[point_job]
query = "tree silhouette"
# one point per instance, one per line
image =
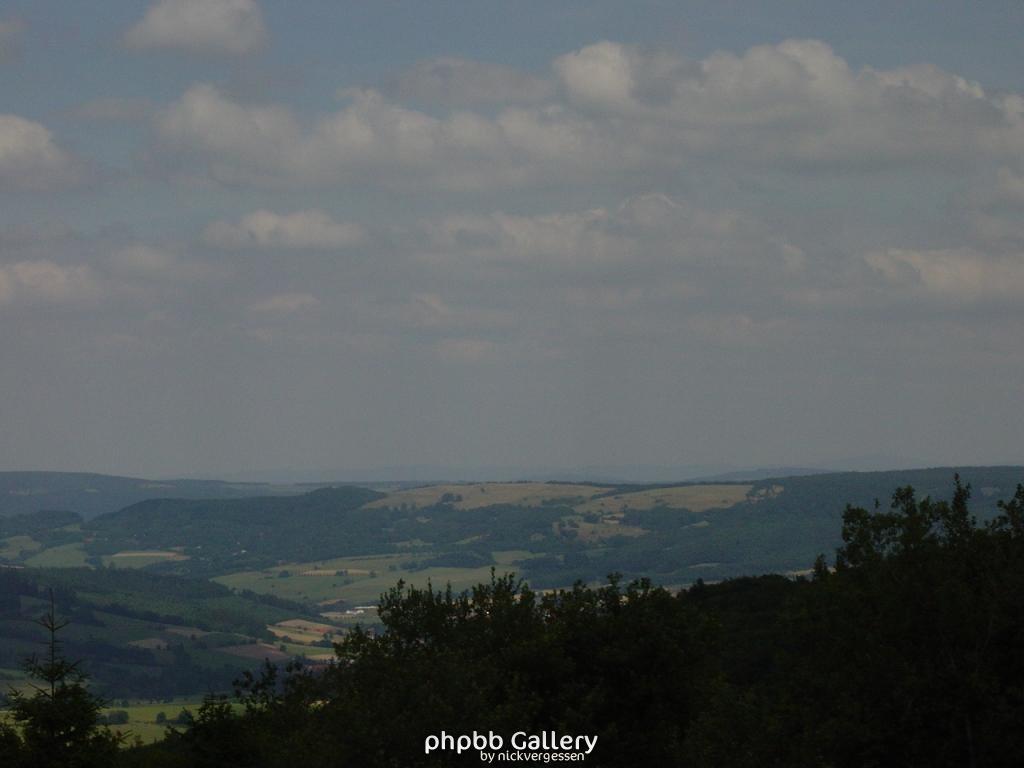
(58, 721)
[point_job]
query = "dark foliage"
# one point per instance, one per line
(909, 652)
(58, 723)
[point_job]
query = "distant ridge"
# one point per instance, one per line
(766, 473)
(594, 473)
(90, 494)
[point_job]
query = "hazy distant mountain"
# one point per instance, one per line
(92, 494)
(598, 473)
(428, 473)
(748, 475)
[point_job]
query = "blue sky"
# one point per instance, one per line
(240, 235)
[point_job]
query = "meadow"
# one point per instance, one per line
(695, 498)
(15, 547)
(144, 722)
(355, 581)
(64, 556)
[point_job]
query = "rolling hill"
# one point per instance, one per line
(280, 564)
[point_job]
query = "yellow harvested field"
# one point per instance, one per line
(476, 495)
(319, 572)
(152, 553)
(696, 498)
(308, 626)
(293, 635)
(303, 632)
(323, 658)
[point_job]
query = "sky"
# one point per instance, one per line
(240, 236)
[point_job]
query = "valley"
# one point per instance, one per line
(176, 596)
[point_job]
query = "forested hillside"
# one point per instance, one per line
(237, 533)
(905, 648)
(673, 534)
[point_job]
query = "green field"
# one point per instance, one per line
(142, 717)
(360, 591)
(363, 580)
(65, 556)
(14, 547)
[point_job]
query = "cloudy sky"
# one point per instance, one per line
(240, 235)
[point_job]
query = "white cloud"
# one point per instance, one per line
(599, 74)
(226, 26)
(462, 82)
(47, 281)
(54, 263)
(369, 140)
(29, 156)
(286, 303)
(654, 263)
(559, 238)
(311, 229)
(792, 102)
(145, 270)
(139, 265)
(642, 231)
(995, 207)
(203, 120)
(142, 260)
(372, 140)
(620, 113)
(960, 275)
